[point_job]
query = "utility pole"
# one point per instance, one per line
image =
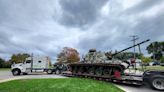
(153, 51)
(134, 38)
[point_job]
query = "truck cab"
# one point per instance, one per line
(31, 64)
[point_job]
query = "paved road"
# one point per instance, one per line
(7, 75)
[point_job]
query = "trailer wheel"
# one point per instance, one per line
(49, 71)
(157, 83)
(57, 71)
(16, 72)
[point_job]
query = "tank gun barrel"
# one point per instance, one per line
(131, 47)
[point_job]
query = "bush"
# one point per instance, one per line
(162, 60)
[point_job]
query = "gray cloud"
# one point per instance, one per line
(143, 6)
(45, 27)
(80, 13)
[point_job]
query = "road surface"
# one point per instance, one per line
(7, 75)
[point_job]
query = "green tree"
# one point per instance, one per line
(162, 60)
(128, 55)
(146, 59)
(156, 48)
(19, 58)
(2, 61)
(7, 64)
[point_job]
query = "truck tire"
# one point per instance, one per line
(25, 73)
(157, 83)
(49, 71)
(16, 72)
(57, 72)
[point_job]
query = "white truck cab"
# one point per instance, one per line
(31, 64)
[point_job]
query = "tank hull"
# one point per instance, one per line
(97, 69)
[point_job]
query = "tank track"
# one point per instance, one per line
(96, 70)
(83, 71)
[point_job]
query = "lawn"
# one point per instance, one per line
(3, 69)
(58, 85)
(151, 68)
(155, 68)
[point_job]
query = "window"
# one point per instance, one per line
(39, 61)
(28, 61)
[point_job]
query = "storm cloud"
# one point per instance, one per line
(45, 27)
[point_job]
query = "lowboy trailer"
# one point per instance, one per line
(155, 79)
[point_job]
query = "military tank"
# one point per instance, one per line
(101, 64)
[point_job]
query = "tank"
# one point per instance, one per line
(102, 64)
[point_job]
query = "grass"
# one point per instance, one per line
(151, 68)
(3, 69)
(58, 85)
(155, 68)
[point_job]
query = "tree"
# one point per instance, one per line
(2, 61)
(7, 64)
(146, 59)
(162, 60)
(128, 55)
(68, 55)
(157, 49)
(19, 58)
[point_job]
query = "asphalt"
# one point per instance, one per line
(7, 76)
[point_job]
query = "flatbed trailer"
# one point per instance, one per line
(155, 79)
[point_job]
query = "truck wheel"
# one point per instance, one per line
(57, 72)
(157, 83)
(25, 73)
(49, 71)
(16, 72)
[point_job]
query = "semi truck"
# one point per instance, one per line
(33, 64)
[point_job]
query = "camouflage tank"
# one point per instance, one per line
(103, 64)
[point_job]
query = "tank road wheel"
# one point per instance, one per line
(80, 70)
(74, 70)
(99, 71)
(91, 70)
(107, 71)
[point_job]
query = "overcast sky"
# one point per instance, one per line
(44, 27)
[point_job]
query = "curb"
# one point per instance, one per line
(10, 79)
